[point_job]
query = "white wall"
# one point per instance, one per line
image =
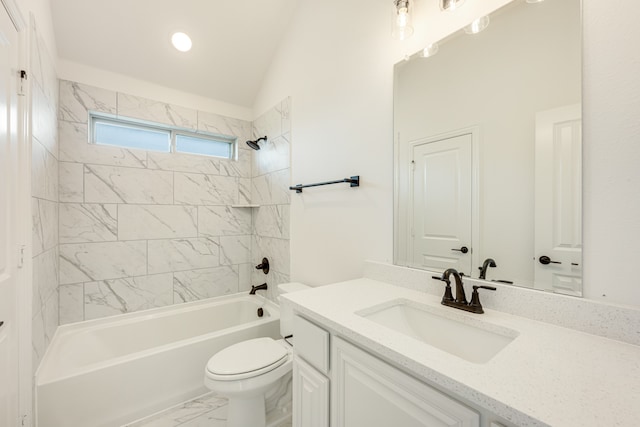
(41, 10)
(336, 62)
(73, 71)
(611, 151)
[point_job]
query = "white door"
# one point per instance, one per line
(442, 204)
(9, 344)
(558, 200)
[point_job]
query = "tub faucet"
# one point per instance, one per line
(262, 287)
(489, 262)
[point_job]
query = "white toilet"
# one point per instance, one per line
(245, 372)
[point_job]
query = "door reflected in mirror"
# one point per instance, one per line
(488, 151)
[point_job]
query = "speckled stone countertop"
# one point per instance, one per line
(547, 376)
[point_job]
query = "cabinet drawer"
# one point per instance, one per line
(311, 343)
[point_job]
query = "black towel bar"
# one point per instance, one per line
(354, 181)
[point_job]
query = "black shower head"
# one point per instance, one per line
(254, 144)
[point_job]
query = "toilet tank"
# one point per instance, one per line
(286, 313)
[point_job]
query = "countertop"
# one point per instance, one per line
(547, 376)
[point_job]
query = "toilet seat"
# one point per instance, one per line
(247, 359)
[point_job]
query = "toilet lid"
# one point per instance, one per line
(247, 358)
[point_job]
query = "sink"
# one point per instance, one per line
(460, 335)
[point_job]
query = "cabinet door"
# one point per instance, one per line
(372, 393)
(310, 396)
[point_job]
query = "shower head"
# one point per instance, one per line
(254, 144)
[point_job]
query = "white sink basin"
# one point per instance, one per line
(466, 337)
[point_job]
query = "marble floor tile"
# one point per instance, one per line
(208, 410)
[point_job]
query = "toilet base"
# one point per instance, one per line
(243, 412)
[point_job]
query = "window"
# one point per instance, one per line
(131, 133)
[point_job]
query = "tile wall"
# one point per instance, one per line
(44, 193)
(270, 190)
(142, 229)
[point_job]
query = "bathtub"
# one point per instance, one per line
(108, 372)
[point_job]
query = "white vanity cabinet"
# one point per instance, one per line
(369, 392)
(338, 384)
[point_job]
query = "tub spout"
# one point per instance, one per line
(257, 288)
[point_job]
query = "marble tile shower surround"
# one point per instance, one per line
(142, 229)
(270, 182)
(43, 86)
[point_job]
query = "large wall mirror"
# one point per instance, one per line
(488, 150)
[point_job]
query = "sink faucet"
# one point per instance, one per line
(257, 288)
(489, 262)
(461, 298)
(460, 302)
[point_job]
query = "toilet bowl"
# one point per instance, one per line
(247, 371)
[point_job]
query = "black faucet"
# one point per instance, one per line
(489, 262)
(253, 290)
(460, 302)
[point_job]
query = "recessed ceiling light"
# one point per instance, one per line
(181, 41)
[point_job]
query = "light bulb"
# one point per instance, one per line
(402, 28)
(403, 17)
(477, 25)
(430, 50)
(450, 5)
(181, 41)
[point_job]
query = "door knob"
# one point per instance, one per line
(546, 260)
(463, 249)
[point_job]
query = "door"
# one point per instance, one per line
(9, 343)
(442, 204)
(310, 396)
(558, 200)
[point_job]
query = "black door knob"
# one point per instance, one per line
(463, 249)
(546, 260)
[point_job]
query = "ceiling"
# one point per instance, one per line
(233, 41)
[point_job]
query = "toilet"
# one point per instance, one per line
(247, 371)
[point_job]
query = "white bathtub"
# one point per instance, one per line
(108, 372)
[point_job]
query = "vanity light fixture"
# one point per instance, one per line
(450, 5)
(430, 50)
(477, 25)
(181, 41)
(534, 1)
(402, 28)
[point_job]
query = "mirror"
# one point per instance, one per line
(488, 150)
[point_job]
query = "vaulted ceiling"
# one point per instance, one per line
(233, 41)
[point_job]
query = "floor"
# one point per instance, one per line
(208, 410)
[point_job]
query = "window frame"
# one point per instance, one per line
(172, 132)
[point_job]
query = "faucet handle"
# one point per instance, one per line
(448, 296)
(475, 298)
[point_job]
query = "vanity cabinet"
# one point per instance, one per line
(338, 384)
(369, 392)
